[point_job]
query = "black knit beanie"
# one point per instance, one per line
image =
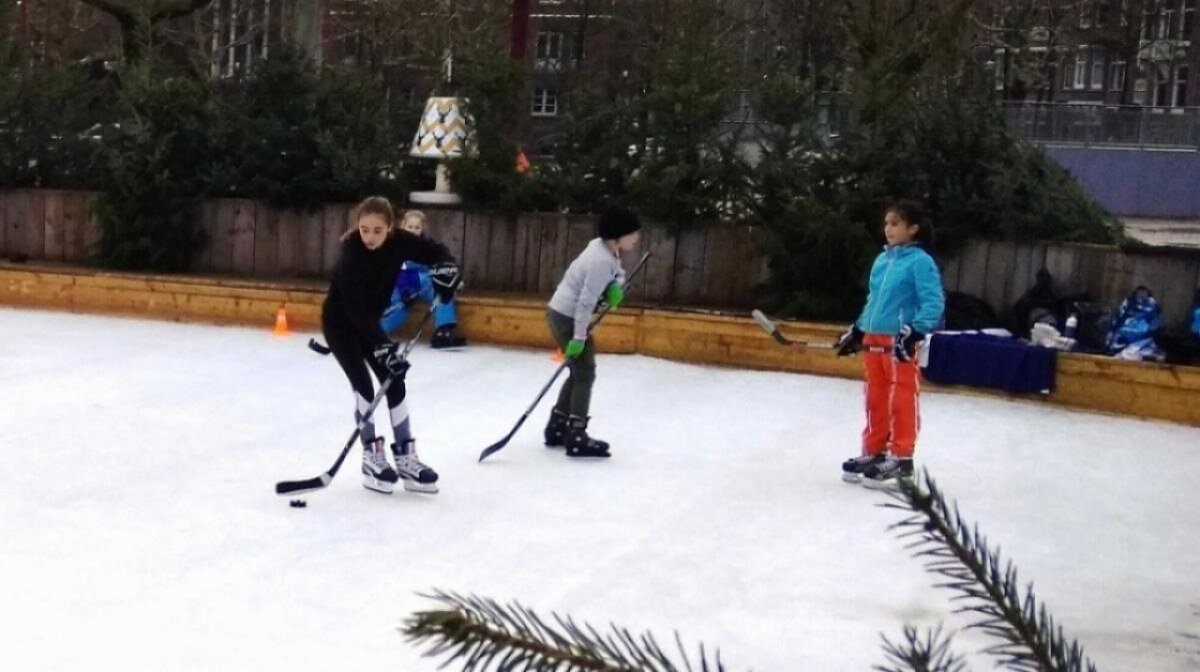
(616, 221)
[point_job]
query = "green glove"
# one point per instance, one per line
(614, 294)
(574, 349)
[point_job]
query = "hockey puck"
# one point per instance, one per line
(298, 503)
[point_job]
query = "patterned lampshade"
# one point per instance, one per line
(443, 131)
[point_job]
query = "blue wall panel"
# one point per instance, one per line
(1135, 182)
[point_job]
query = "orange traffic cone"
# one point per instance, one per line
(281, 328)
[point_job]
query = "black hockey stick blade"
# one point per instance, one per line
(298, 487)
(318, 347)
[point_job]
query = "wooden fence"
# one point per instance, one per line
(1000, 272)
(715, 266)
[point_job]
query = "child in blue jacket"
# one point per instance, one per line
(905, 304)
(413, 283)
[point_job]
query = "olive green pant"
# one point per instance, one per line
(576, 394)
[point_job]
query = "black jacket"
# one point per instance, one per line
(363, 280)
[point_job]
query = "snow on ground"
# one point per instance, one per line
(139, 528)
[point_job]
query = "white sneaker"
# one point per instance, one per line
(378, 475)
(417, 477)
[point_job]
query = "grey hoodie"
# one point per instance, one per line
(584, 282)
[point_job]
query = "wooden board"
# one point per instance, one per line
(266, 240)
(552, 257)
(501, 248)
(311, 237)
(474, 262)
(54, 227)
(287, 243)
(527, 243)
(447, 227)
(657, 281)
(972, 274)
(222, 242)
(3, 219)
(689, 267)
(241, 236)
(1001, 255)
(74, 214)
(335, 223)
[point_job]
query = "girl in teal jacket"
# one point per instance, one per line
(905, 304)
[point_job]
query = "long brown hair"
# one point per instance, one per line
(371, 205)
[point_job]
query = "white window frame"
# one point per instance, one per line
(1176, 80)
(1085, 14)
(549, 49)
(1098, 69)
(1140, 86)
(1117, 76)
(545, 102)
(1080, 79)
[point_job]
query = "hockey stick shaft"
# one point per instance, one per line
(557, 372)
(311, 484)
(773, 329)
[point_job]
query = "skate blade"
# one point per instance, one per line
(375, 485)
(851, 477)
(891, 484)
(420, 488)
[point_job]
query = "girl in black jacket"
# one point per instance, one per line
(373, 251)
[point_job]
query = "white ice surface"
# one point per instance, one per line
(139, 529)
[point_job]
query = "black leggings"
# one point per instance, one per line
(353, 353)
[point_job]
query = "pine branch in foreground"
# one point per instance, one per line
(489, 636)
(958, 552)
(916, 654)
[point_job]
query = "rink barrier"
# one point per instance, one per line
(698, 336)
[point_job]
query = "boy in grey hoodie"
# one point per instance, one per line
(596, 273)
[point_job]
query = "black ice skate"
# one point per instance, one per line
(556, 429)
(416, 476)
(885, 474)
(447, 338)
(853, 468)
(579, 444)
(378, 475)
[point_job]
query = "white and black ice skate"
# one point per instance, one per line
(556, 429)
(886, 474)
(579, 444)
(447, 338)
(853, 468)
(378, 475)
(416, 476)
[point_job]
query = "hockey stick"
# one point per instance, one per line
(773, 329)
(311, 484)
(557, 372)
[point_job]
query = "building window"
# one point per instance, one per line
(1000, 61)
(1067, 69)
(1085, 15)
(549, 51)
(1181, 87)
(1189, 19)
(545, 102)
(1164, 23)
(1117, 80)
(1080, 67)
(1139, 92)
(1097, 70)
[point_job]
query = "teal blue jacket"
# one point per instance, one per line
(905, 288)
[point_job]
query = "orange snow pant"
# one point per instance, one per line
(892, 389)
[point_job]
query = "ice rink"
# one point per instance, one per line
(139, 529)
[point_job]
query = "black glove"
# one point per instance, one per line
(850, 342)
(444, 276)
(905, 345)
(389, 356)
